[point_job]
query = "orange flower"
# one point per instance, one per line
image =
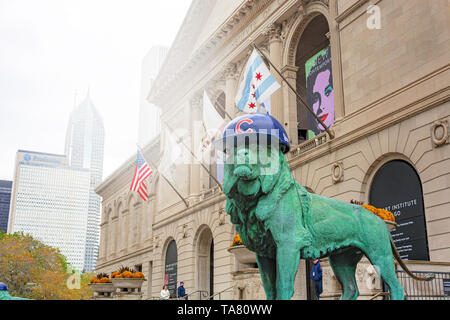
(95, 280)
(382, 213)
(104, 280)
(236, 240)
(126, 274)
(139, 275)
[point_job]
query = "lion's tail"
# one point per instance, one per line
(427, 277)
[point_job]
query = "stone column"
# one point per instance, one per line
(336, 63)
(126, 233)
(275, 49)
(138, 223)
(194, 125)
(230, 90)
(103, 250)
(149, 216)
(114, 236)
(290, 99)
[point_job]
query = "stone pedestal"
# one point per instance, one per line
(128, 296)
(102, 291)
(368, 281)
(127, 288)
(247, 285)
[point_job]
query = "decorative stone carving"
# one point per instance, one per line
(196, 100)
(247, 285)
(185, 231)
(337, 172)
(439, 133)
(230, 71)
(156, 241)
(306, 2)
(222, 215)
(274, 32)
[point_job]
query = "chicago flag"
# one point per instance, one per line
(256, 87)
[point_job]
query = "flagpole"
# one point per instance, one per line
(167, 180)
(330, 133)
(201, 163)
(224, 110)
(226, 113)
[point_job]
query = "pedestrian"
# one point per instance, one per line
(316, 276)
(181, 292)
(165, 293)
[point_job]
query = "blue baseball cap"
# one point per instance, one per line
(3, 286)
(256, 124)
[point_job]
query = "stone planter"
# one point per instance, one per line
(103, 290)
(127, 284)
(242, 254)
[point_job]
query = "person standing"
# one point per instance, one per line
(181, 292)
(165, 293)
(316, 276)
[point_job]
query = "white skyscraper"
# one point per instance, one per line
(84, 149)
(50, 201)
(149, 122)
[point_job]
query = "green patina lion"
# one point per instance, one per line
(282, 222)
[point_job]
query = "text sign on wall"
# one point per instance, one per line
(397, 188)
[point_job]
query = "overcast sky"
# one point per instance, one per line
(52, 50)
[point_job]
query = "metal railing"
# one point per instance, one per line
(309, 144)
(211, 297)
(379, 294)
(202, 295)
(435, 289)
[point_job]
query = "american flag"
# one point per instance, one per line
(141, 172)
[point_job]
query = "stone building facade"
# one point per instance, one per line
(391, 76)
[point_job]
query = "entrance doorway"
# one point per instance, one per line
(205, 263)
(171, 267)
(396, 187)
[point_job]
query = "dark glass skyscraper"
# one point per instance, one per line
(5, 198)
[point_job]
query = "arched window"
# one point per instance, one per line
(171, 267)
(396, 187)
(314, 79)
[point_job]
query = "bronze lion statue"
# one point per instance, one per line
(281, 221)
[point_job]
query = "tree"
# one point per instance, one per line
(25, 260)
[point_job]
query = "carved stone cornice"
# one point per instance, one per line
(169, 74)
(306, 2)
